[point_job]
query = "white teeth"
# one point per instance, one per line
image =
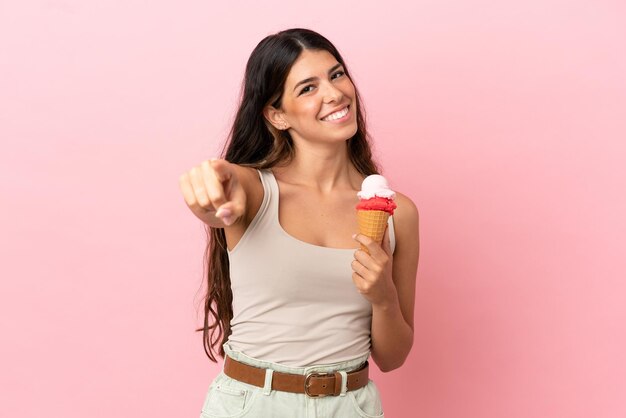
(337, 115)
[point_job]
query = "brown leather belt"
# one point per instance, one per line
(314, 384)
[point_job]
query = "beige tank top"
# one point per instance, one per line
(294, 303)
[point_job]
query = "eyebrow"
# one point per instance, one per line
(307, 80)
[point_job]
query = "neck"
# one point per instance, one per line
(323, 167)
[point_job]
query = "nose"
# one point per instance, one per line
(332, 93)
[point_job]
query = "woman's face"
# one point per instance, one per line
(319, 102)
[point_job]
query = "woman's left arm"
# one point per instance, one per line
(388, 281)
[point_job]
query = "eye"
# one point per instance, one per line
(304, 90)
(338, 74)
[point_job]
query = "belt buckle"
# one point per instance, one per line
(307, 384)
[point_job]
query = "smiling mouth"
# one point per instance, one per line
(337, 115)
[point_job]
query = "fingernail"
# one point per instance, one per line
(227, 220)
(353, 236)
(223, 212)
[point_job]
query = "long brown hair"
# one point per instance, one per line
(254, 142)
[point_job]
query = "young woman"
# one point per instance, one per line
(293, 305)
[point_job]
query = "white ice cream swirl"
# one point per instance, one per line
(375, 185)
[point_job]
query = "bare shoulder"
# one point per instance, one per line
(251, 183)
(248, 176)
(245, 174)
(406, 215)
(406, 229)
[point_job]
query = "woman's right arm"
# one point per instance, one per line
(221, 194)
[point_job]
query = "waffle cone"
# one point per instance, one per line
(372, 223)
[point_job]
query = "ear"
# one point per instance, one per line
(275, 117)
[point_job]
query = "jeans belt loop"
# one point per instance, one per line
(344, 383)
(267, 388)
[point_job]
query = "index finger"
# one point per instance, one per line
(367, 244)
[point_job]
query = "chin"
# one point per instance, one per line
(353, 131)
(345, 134)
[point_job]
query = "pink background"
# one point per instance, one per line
(504, 121)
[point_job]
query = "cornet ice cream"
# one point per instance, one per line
(375, 207)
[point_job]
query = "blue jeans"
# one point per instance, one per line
(229, 398)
